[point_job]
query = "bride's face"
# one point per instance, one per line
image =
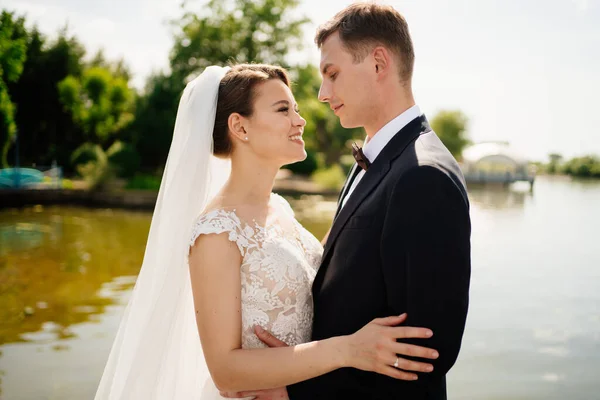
(275, 128)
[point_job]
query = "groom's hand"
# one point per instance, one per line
(267, 338)
(274, 394)
(271, 394)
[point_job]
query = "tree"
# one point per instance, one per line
(46, 130)
(260, 31)
(555, 157)
(101, 104)
(585, 167)
(13, 45)
(98, 102)
(263, 31)
(118, 69)
(554, 164)
(450, 126)
(152, 129)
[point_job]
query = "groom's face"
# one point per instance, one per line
(347, 86)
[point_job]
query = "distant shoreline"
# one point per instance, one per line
(129, 199)
(135, 199)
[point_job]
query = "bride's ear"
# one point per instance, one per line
(235, 123)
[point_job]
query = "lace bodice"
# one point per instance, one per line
(279, 264)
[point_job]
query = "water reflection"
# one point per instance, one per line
(19, 237)
(50, 282)
(314, 212)
(61, 266)
(500, 196)
(533, 329)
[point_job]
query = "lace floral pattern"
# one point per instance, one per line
(279, 264)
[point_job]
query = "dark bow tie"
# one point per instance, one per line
(360, 157)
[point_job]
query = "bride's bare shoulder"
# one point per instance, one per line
(245, 212)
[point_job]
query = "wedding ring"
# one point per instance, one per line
(396, 363)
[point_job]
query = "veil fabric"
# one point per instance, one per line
(157, 352)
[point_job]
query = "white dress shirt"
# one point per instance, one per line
(373, 147)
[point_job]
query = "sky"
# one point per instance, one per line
(523, 71)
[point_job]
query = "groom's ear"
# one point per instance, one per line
(381, 58)
(235, 123)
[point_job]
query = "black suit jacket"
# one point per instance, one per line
(400, 244)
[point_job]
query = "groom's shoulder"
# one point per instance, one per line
(427, 150)
(428, 158)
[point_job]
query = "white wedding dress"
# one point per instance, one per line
(279, 263)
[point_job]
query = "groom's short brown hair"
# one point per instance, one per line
(362, 26)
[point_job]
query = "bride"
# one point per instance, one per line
(226, 256)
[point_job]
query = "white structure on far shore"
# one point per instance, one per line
(495, 162)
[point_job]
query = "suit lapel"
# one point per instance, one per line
(349, 179)
(371, 179)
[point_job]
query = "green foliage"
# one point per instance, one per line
(585, 167)
(99, 103)
(85, 116)
(144, 182)
(330, 178)
(67, 184)
(555, 158)
(117, 69)
(553, 166)
(124, 158)
(263, 31)
(47, 132)
(451, 126)
(87, 152)
(152, 129)
(13, 46)
(306, 167)
(92, 164)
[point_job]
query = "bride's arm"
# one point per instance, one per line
(215, 273)
(215, 276)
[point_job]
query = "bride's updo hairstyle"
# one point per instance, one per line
(237, 92)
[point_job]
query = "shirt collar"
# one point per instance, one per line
(373, 147)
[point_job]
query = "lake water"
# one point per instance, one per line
(533, 330)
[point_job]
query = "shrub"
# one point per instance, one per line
(306, 167)
(144, 182)
(330, 178)
(124, 159)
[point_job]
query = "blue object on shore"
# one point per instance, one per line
(14, 178)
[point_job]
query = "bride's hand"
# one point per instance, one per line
(374, 348)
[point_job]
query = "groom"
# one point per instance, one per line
(400, 241)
